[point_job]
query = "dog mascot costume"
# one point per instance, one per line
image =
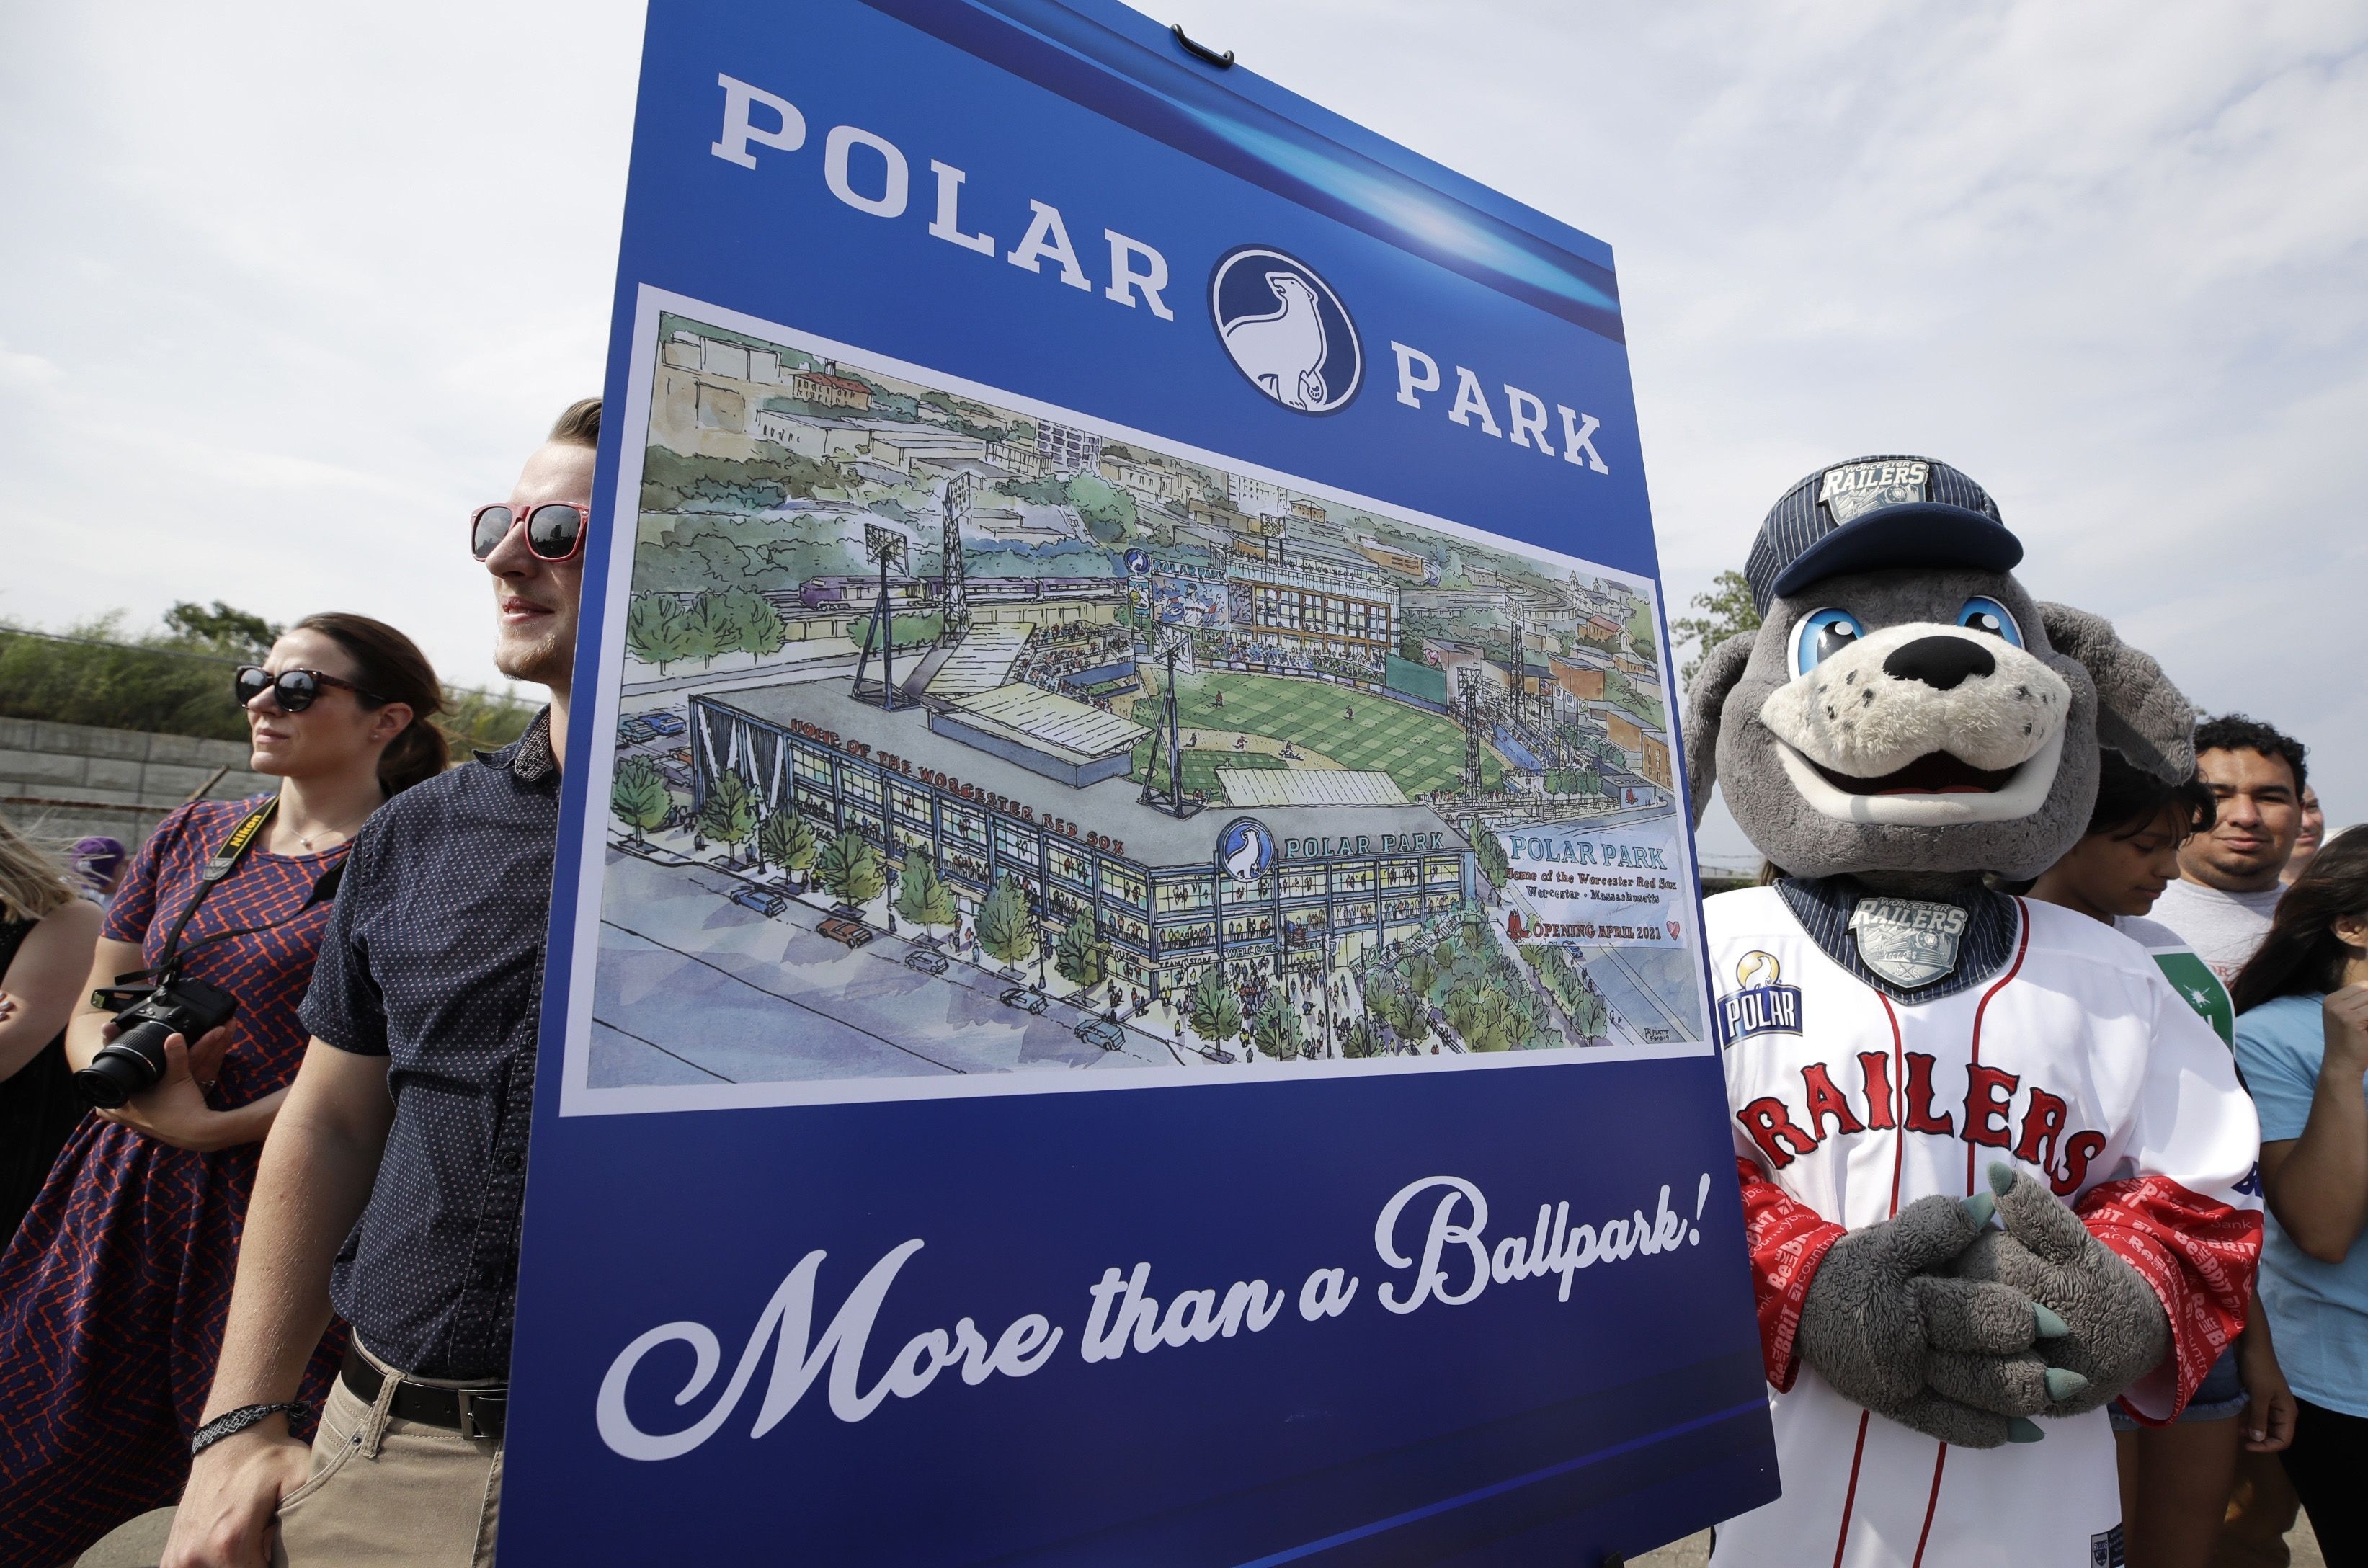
(1996, 1171)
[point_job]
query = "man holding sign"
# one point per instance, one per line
(408, 1116)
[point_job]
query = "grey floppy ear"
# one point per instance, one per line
(2139, 713)
(1721, 668)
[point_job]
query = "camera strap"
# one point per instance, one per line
(225, 860)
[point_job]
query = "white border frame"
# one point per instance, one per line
(579, 1097)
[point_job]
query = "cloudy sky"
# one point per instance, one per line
(285, 289)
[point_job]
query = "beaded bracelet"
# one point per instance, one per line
(231, 1423)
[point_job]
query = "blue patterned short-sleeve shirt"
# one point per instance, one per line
(434, 961)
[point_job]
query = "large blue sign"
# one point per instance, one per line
(1125, 985)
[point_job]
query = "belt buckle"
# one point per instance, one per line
(468, 1400)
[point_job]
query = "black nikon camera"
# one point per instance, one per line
(134, 1059)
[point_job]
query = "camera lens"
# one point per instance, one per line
(126, 1064)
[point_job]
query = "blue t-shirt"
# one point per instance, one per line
(2319, 1311)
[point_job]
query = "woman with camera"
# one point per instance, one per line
(113, 1292)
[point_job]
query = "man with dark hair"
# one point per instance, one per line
(391, 1189)
(2227, 883)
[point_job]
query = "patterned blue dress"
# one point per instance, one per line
(114, 1290)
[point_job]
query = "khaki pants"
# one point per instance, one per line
(387, 1492)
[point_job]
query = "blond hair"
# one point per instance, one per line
(30, 882)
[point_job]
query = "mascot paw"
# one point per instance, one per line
(1962, 1426)
(1863, 1325)
(2115, 1331)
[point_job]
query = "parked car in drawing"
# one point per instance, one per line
(926, 961)
(764, 901)
(851, 933)
(666, 724)
(1101, 1033)
(1027, 1001)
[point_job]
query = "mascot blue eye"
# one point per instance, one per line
(1988, 615)
(1821, 636)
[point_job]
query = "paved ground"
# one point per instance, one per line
(693, 988)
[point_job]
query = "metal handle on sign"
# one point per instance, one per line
(1220, 60)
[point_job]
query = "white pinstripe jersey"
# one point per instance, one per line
(2077, 1062)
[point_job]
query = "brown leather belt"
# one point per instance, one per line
(473, 1412)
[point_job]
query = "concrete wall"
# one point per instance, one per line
(59, 782)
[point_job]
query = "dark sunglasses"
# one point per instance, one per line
(294, 691)
(554, 530)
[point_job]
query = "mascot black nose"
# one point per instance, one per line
(1941, 663)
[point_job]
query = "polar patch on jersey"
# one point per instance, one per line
(1761, 1006)
(1907, 941)
(1855, 488)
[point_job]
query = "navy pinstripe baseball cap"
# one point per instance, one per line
(1869, 513)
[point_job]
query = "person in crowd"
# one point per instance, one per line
(113, 1292)
(2306, 841)
(2302, 1043)
(99, 863)
(46, 936)
(410, 1116)
(2227, 883)
(2175, 1480)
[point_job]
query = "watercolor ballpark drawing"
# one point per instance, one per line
(955, 739)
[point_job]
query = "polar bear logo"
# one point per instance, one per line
(1285, 330)
(1283, 352)
(1245, 849)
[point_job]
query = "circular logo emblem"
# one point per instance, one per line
(1286, 330)
(1245, 849)
(1757, 969)
(1138, 563)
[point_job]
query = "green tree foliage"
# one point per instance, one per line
(1642, 632)
(1389, 1000)
(1489, 853)
(179, 682)
(1212, 1008)
(707, 551)
(1046, 492)
(638, 796)
(1275, 1030)
(1572, 781)
(1487, 1019)
(220, 629)
(730, 815)
(922, 896)
(1727, 610)
(1590, 1016)
(1077, 953)
(1005, 928)
(672, 481)
(657, 630)
(1567, 984)
(788, 840)
(1360, 1039)
(849, 869)
(1421, 973)
(707, 631)
(747, 623)
(1107, 511)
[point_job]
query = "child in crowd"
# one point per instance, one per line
(2175, 1479)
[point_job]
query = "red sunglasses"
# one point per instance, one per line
(554, 530)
